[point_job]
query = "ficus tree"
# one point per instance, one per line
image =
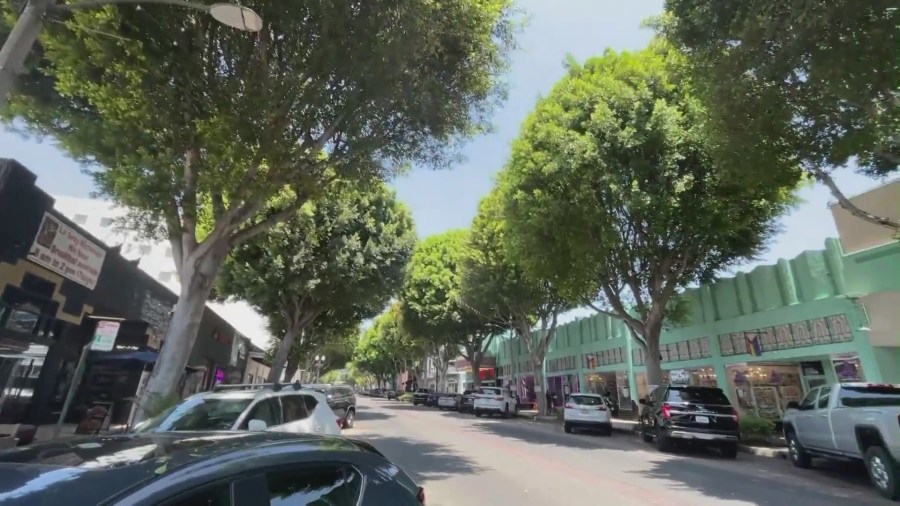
(385, 349)
(432, 308)
(496, 286)
(614, 195)
(185, 121)
(339, 261)
(813, 85)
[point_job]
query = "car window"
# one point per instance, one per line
(490, 391)
(698, 395)
(266, 410)
(310, 402)
(198, 413)
(870, 396)
(217, 495)
(586, 400)
(824, 394)
(321, 485)
(293, 408)
(809, 401)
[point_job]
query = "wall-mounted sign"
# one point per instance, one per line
(824, 330)
(66, 252)
(105, 336)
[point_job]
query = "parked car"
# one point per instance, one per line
(421, 396)
(850, 421)
(449, 401)
(392, 394)
(688, 413)
(432, 400)
(589, 412)
(202, 468)
(341, 400)
(495, 401)
(253, 407)
(467, 402)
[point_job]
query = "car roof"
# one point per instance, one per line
(93, 469)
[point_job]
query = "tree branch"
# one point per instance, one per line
(265, 224)
(93, 4)
(826, 179)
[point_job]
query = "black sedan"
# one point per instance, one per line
(203, 469)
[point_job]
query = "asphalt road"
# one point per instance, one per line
(463, 460)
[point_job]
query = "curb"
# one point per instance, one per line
(774, 453)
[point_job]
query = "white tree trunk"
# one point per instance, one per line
(540, 382)
(197, 281)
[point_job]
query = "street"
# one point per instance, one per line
(460, 459)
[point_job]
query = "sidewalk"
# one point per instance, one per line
(633, 427)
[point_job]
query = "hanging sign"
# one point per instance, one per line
(105, 336)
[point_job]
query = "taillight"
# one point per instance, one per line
(421, 495)
(569, 405)
(735, 415)
(340, 422)
(666, 411)
(601, 408)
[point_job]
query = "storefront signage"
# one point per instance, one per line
(105, 336)
(824, 330)
(602, 358)
(692, 349)
(66, 252)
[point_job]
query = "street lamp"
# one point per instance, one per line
(25, 33)
(319, 362)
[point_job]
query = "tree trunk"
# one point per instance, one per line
(283, 352)
(652, 331)
(537, 364)
(291, 370)
(197, 281)
(475, 362)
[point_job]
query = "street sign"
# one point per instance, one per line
(105, 336)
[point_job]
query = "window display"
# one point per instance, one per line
(764, 390)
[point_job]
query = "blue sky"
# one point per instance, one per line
(441, 200)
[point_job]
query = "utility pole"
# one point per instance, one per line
(19, 43)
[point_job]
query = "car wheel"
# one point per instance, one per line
(729, 450)
(663, 442)
(646, 436)
(883, 472)
(506, 411)
(478, 414)
(608, 430)
(567, 428)
(796, 453)
(349, 419)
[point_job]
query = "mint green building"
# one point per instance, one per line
(765, 337)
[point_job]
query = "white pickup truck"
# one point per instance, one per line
(849, 421)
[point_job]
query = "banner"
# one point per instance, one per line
(66, 252)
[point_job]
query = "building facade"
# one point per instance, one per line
(57, 281)
(765, 337)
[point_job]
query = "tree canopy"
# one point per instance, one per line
(433, 307)
(337, 263)
(614, 196)
(813, 83)
(189, 121)
(385, 348)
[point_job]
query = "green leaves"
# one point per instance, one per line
(612, 192)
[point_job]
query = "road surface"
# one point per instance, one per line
(463, 460)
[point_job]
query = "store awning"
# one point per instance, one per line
(143, 356)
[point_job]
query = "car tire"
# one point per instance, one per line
(663, 442)
(607, 431)
(647, 437)
(796, 453)
(349, 418)
(478, 414)
(883, 472)
(567, 428)
(729, 450)
(506, 411)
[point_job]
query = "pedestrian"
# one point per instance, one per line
(549, 403)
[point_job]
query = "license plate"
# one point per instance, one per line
(701, 419)
(584, 411)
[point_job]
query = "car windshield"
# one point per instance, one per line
(490, 391)
(698, 395)
(197, 414)
(586, 400)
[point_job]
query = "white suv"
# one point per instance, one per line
(253, 407)
(496, 401)
(587, 411)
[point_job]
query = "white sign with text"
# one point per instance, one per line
(105, 336)
(64, 251)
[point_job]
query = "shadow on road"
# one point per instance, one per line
(545, 435)
(747, 481)
(425, 460)
(368, 414)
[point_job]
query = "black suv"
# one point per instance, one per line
(341, 400)
(421, 396)
(693, 414)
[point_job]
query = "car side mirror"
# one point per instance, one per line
(793, 405)
(642, 401)
(256, 425)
